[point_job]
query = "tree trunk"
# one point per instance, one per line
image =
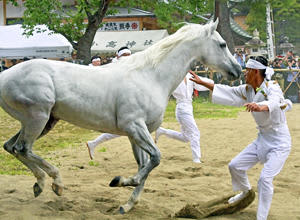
(85, 44)
(223, 13)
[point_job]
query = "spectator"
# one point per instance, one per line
(240, 57)
(13, 62)
(292, 92)
(279, 77)
(95, 61)
(122, 52)
(3, 66)
(288, 56)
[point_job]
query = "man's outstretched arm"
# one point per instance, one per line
(197, 80)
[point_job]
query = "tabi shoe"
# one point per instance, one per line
(197, 160)
(158, 132)
(238, 197)
(91, 149)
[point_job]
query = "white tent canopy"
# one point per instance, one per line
(13, 44)
(111, 41)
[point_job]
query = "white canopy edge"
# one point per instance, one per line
(13, 44)
(111, 41)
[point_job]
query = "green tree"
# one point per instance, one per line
(286, 14)
(70, 21)
(171, 14)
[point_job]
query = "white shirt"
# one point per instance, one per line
(114, 60)
(270, 94)
(184, 92)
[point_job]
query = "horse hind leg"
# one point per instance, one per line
(38, 173)
(141, 158)
(50, 124)
(33, 128)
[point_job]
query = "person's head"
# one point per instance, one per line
(290, 53)
(96, 60)
(291, 62)
(256, 70)
(123, 51)
(74, 55)
(14, 61)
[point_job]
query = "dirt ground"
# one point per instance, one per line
(174, 183)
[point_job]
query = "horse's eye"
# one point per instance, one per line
(223, 45)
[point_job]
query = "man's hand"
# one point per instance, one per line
(199, 81)
(196, 78)
(253, 107)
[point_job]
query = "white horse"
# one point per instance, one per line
(126, 98)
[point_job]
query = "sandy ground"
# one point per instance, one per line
(174, 183)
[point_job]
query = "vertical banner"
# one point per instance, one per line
(270, 44)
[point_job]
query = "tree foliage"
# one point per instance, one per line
(71, 22)
(173, 12)
(80, 23)
(286, 14)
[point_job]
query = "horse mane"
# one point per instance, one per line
(157, 52)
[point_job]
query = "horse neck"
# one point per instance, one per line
(173, 68)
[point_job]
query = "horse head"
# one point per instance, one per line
(215, 54)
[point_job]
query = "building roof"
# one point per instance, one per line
(121, 12)
(237, 29)
(130, 12)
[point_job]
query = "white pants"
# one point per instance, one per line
(189, 130)
(272, 150)
(102, 138)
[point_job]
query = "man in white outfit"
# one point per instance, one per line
(122, 52)
(264, 99)
(184, 115)
(91, 145)
(95, 61)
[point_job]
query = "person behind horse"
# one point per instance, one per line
(264, 99)
(184, 115)
(122, 52)
(91, 145)
(95, 61)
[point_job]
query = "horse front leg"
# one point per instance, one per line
(141, 158)
(137, 132)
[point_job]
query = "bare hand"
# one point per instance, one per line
(195, 78)
(253, 107)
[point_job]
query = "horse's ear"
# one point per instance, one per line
(214, 25)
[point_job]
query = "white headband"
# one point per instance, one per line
(121, 52)
(96, 59)
(253, 64)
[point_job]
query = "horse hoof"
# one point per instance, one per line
(122, 211)
(125, 208)
(57, 189)
(116, 182)
(37, 190)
